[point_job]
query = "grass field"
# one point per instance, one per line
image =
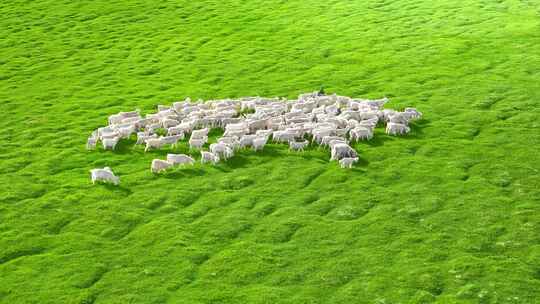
(448, 214)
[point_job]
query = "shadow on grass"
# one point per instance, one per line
(118, 189)
(181, 172)
(417, 127)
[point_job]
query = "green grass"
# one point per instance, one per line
(448, 214)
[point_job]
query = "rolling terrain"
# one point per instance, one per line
(447, 214)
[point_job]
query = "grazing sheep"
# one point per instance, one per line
(361, 132)
(159, 165)
(126, 131)
(298, 145)
(154, 143)
(209, 157)
(319, 134)
(142, 137)
(198, 134)
(171, 140)
(91, 143)
(282, 136)
(247, 140)
(259, 143)
(342, 150)
(180, 159)
(177, 130)
(326, 140)
(412, 113)
(221, 150)
(110, 143)
(348, 162)
(197, 143)
(264, 133)
(103, 134)
(169, 123)
(396, 128)
(104, 175)
(334, 142)
(231, 141)
(328, 120)
(369, 123)
(400, 118)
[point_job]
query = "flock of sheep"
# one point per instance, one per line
(328, 120)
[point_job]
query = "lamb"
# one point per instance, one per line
(342, 150)
(180, 159)
(209, 157)
(397, 128)
(110, 143)
(159, 165)
(104, 175)
(348, 162)
(298, 145)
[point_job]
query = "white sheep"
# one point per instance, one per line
(110, 143)
(221, 150)
(342, 150)
(171, 140)
(298, 145)
(105, 175)
(348, 162)
(209, 157)
(159, 165)
(180, 159)
(197, 143)
(397, 128)
(142, 137)
(154, 143)
(247, 140)
(198, 134)
(361, 132)
(259, 143)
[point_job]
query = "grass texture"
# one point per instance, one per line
(447, 214)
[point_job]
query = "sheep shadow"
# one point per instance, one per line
(117, 188)
(182, 172)
(417, 128)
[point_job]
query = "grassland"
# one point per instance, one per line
(449, 214)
